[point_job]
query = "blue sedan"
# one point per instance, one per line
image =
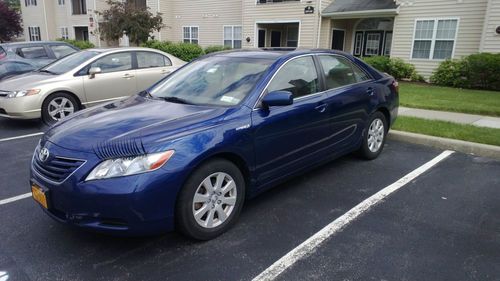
(187, 152)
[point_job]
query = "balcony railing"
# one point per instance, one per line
(275, 1)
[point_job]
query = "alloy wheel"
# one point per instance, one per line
(60, 107)
(376, 134)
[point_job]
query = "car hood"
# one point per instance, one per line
(133, 121)
(27, 81)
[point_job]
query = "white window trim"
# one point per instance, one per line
(433, 39)
(191, 34)
(232, 35)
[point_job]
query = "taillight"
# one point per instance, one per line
(395, 86)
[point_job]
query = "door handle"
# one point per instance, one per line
(370, 91)
(321, 107)
(165, 71)
(127, 76)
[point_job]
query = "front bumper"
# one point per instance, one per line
(141, 204)
(28, 107)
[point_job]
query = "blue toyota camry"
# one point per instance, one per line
(187, 152)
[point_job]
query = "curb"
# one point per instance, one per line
(479, 149)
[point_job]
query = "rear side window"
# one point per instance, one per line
(37, 52)
(298, 76)
(114, 62)
(61, 50)
(340, 72)
(150, 59)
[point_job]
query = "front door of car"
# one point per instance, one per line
(151, 68)
(349, 92)
(287, 138)
(116, 79)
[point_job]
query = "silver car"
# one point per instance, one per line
(81, 80)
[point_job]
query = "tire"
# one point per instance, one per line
(62, 104)
(212, 213)
(374, 136)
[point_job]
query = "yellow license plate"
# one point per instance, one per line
(39, 195)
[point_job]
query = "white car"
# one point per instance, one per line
(83, 79)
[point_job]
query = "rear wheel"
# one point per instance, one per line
(374, 136)
(211, 200)
(57, 106)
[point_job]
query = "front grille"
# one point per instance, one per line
(56, 169)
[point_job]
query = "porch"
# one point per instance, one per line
(277, 34)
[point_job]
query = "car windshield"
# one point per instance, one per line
(69, 62)
(217, 80)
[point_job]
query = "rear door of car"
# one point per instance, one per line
(349, 91)
(117, 78)
(151, 68)
(288, 138)
(35, 53)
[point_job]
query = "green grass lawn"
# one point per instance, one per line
(448, 130)
(420, 95)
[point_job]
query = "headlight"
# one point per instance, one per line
(129, 166)
(23, 93)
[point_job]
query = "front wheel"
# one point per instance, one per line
(211, 200)
(57, 106)
(374, 136)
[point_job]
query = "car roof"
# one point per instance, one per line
(273, 53)
(121, 49)
(27, 43)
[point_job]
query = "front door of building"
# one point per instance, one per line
(275, 38)
(338, 37)
(262, 38)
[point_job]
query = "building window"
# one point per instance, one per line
(29, 3)
(274, 1)
(358, 45)
(64, 33)
(434, 39)
(292, 36)
(373, 44)
(60, 2)
(232, 37)
(34, 33)
(138, 4)
(79, 7)
(388, 44)
(190, 34)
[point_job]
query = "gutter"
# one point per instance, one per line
(365, 13)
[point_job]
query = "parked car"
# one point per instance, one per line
(190, 149)
(83, 79)
(39, 53)
(10, 68)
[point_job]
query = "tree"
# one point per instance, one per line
(126, 16)
(10, 22)
(14, 4)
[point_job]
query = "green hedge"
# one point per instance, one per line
(396, 67)
(477, 71)
(213, 49)
(184, 51)
(79, 44)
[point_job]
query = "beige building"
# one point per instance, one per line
(422, 32)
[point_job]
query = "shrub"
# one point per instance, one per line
(479, 71)
(79, 44)
(213, 49)
(396, 67)
(184, 51)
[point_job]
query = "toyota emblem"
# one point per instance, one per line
(43, 155)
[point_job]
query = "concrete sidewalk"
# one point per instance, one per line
(462, 118)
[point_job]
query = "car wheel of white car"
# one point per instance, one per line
(58, 106)
(374, 136)
(211, 200)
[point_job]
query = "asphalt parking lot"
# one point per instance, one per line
(442, 225)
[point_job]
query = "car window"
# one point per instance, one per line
(37, 52)
(150, 59)
(298, 77)
(340, 72)
(114, 62)
(61, 50)
(3, 53)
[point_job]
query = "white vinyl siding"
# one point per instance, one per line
(34, 33)
(190, 34)
(232, 37)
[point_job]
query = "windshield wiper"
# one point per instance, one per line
(175, 100)
(46, 71)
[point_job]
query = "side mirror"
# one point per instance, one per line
(278, 98)
(93, 71)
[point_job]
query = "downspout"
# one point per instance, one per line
(96, 20)
(319, 24)
(485, 25)
(159, 32)
(45, 19)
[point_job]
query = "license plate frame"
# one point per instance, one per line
(40, 195)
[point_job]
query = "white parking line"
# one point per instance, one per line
(310, 245)
(15, 198)
(21, 137)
